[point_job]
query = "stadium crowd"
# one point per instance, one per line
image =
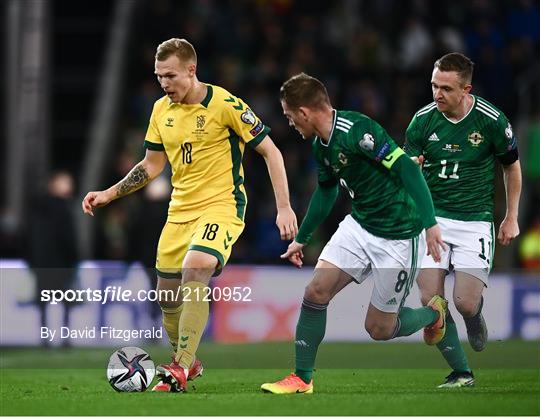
(375, 57)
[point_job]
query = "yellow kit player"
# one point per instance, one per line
(202, 131)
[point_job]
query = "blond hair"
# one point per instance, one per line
(178, 47)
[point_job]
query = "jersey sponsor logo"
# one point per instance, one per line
(201, 120)
(433, 137)
(342, 158)
(170, 122)
(248, 117)
(382, 153)
(508, 131)
(451, 148)
(475, 138)
(367, 142)
(255, 131)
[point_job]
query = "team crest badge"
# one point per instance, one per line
(248, 117)
(342, 158)
(201, 120)
(475, 138)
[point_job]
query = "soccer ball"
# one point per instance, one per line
(130, 369)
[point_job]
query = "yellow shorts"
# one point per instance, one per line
(214, 232)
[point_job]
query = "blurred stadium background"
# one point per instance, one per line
(79, 88)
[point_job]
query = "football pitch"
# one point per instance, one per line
(352, 379)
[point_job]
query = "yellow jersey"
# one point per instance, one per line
(204, 143)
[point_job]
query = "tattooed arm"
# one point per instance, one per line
(139, 176)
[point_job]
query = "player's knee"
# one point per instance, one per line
(315, 292)
(466, 307)
(379, 332)
(169, 304)
(202, 275)
(168, 298)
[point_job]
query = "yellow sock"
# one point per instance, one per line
(192, 323)
(171, 319)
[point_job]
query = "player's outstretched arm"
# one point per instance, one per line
(321, 203)
(416, 186)
(509, 228)
(434, 242)
(139, 176)
(286, 219)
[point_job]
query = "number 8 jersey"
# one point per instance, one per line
(459, 165)
(204, 143)
(359, 155)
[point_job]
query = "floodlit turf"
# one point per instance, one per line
(406, 387)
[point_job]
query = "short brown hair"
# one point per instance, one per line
(459, 63)
(304, 90)
(179, 47)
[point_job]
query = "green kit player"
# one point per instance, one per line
(382, 237)
(457, 139)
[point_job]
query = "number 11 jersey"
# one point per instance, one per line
(459, 165)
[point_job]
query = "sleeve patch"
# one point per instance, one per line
(382, 152)
(508, 131)
(389, 161)
(248, 117)
(257, 129)
(367, 142)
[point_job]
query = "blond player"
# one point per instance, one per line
(202, 131)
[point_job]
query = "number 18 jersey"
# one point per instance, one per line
(204, 143)
(459, 165)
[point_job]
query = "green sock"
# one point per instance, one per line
(411, 320)
(451, 348)
(309, 334)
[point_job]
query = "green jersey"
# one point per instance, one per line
(459, 165)
(359, 155)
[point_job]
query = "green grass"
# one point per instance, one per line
(352, 379)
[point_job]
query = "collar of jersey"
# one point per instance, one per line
(204, 102)
(331, 132)
(467, 114)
